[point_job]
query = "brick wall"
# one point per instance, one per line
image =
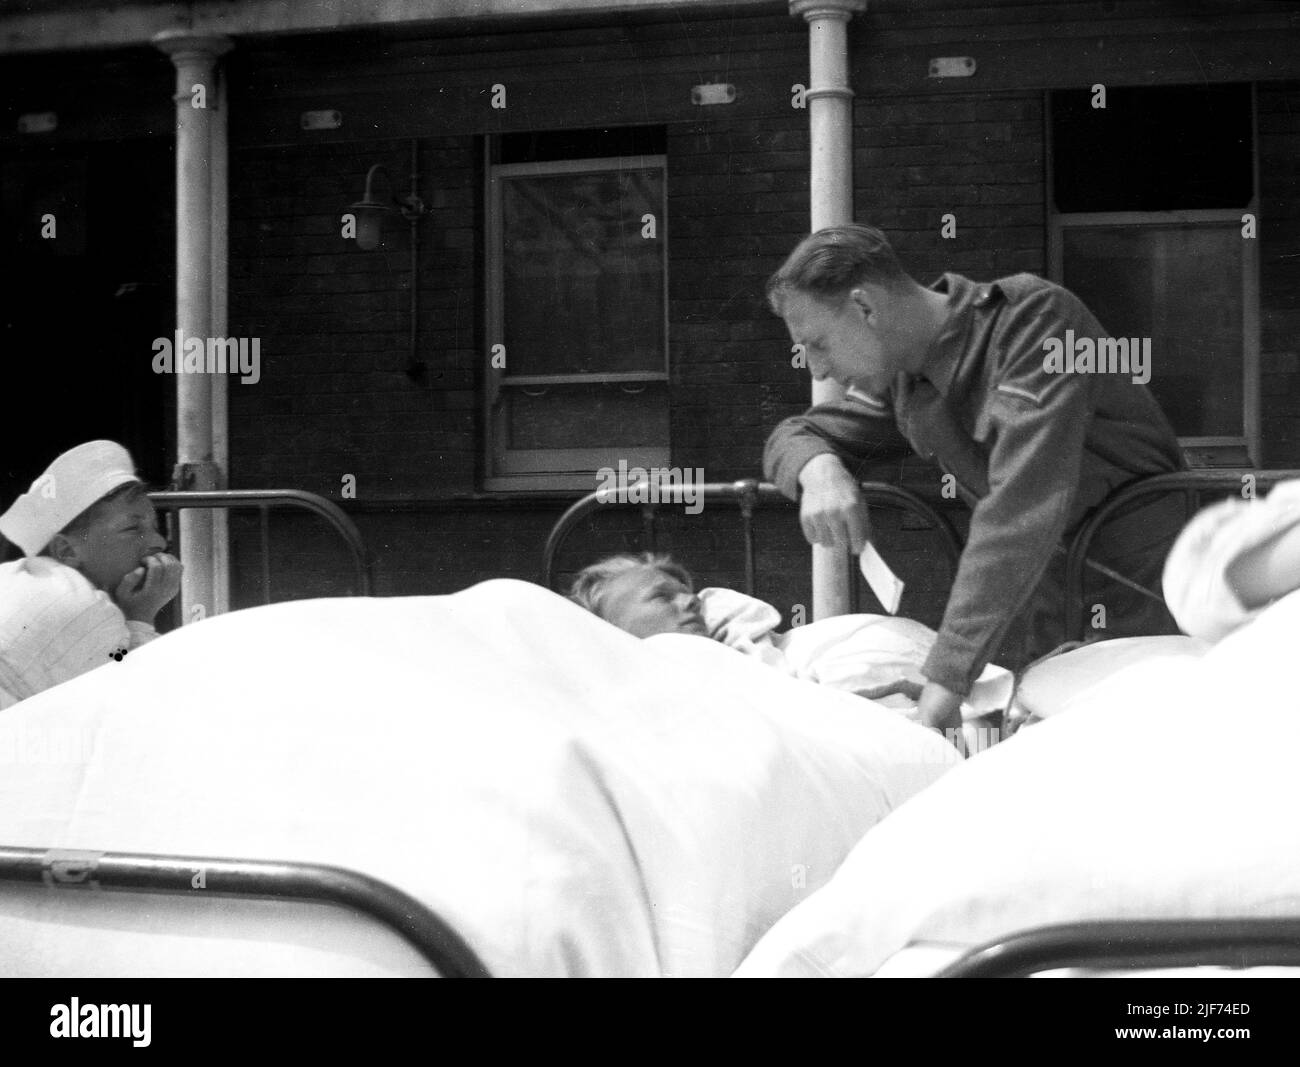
(340, 395)
(978, 157)
(1279, 253)
(738, 203)
(337, 397)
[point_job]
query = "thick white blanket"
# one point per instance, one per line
(573, 800)
(1171, 791)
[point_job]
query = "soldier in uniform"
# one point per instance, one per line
(958, 372)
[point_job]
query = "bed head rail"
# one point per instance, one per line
(266, 500)
(1190, 483)
(63, 869)
(747, 494)
(1134, 944)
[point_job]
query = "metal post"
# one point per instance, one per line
(197, 95)
(220, 382)
(747, 495)
(830, 121)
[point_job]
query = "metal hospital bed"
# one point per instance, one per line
(1132, 945)
(1192, 484)
(747, 495)
(89, 871)
(86, 871)
(264, 501)
(1095, 945)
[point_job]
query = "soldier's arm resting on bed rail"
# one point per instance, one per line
(819, 457)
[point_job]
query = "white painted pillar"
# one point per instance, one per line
(219, 259)
(830, 121)
(197, 97)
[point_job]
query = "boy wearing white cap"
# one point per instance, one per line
(94, 574)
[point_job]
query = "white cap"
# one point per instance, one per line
(70, 484)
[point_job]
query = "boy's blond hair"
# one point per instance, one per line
(590, 582)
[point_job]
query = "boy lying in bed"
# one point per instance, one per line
(872, 655)
(94, 574)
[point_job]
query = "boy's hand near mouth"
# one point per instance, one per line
(143, 592)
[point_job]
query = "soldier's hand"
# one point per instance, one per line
(940, 709)
(831, 509)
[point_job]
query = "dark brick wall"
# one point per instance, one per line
(338, 396)
(738, 203)
(978, 157)
(340, 393)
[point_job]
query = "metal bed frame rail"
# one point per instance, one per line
(1190, 483)
(1153, 944)
(264, 500)
(415, 923)
(747, 494)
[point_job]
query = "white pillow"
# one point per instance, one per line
(850, 652)
(1062, 682)
(1170, 795)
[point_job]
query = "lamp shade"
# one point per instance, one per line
(370, 216)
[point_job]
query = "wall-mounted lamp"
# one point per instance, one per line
(370, 212)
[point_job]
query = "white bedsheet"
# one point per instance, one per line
(852, 652)
(1172, 792)
(573, 800)
(1055, 685)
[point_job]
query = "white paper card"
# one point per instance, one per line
(887, 585)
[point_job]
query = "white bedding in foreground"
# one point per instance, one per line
(574, 801)
(1054, 686)
(1172, 792)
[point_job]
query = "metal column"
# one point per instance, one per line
(830, 120)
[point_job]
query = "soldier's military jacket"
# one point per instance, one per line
(1032, 448)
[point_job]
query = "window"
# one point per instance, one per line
(577, 302)
(1147, 202)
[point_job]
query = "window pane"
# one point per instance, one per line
(1152, 148)
(583, 290)
(1181, 286)
(586, 416)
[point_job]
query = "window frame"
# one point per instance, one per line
(507, 469)
(1200, 451)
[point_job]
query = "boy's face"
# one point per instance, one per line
(645, 601)
(122, 533)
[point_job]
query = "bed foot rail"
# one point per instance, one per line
(417, 924)
(1132, 944)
